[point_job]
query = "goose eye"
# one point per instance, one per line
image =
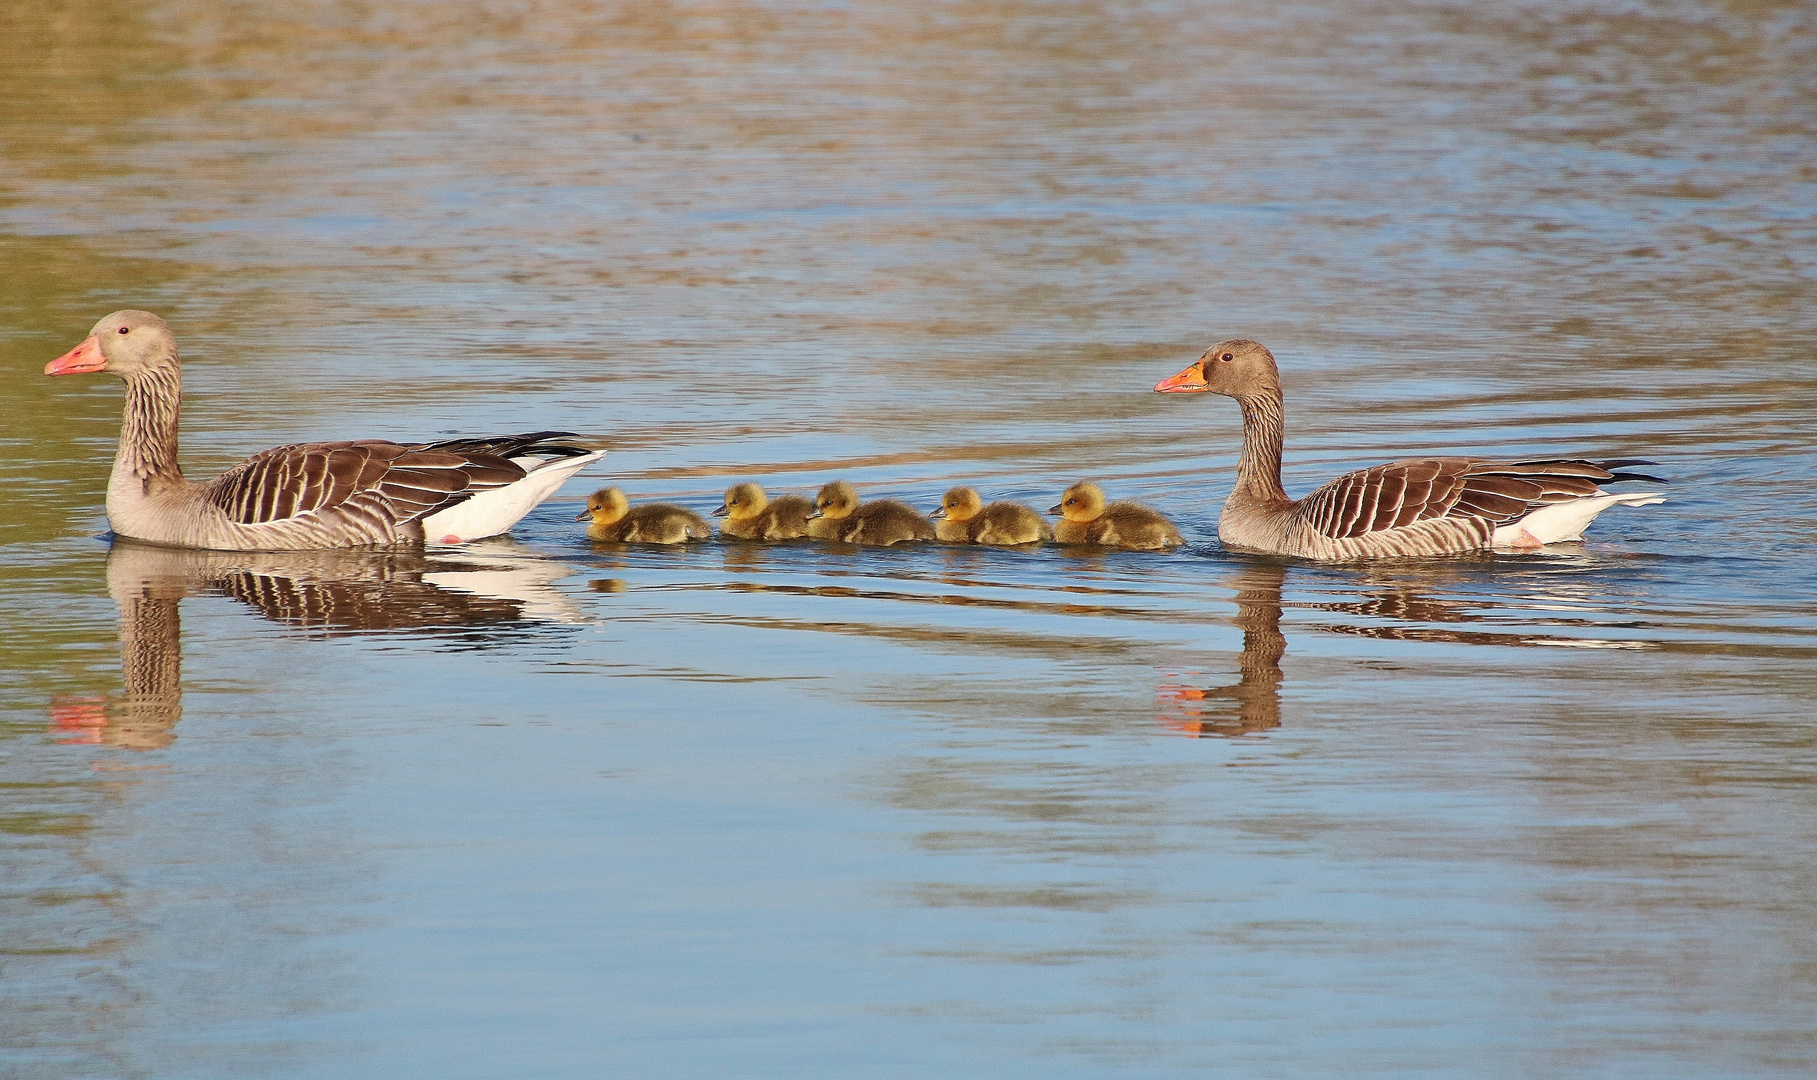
(1227, 358)
(126, 329)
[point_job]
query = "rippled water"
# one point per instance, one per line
(542, 808)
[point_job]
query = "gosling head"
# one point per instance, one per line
(960, 504)
(1237, 368)
(605, 506)
(744, 501)
(1084, 501)
(126, 344)
(836, 500)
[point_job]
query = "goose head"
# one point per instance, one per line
(960, 504)
(605, 506)
(1237, 368)
(1084, 501)
(125, 344)
(837, 500)
(744, 501)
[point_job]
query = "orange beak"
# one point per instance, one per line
(1190, 381)
(80, 360)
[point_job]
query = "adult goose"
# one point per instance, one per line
(304, 496)
(1424, 506)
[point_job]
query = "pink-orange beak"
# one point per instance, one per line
(80, 360)
(1190, 381)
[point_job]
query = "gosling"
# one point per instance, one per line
(838, 515)
(1086, 520)
(615, 521)
(966, 520)
(750, 515)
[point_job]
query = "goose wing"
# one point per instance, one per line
(401, 482)
(1401, 493)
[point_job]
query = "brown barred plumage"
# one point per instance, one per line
(1426, 506)
(307, 495)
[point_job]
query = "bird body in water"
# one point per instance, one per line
(1085, 518)
(1418, 507)
(838, 515)
(750, 514)
(962, 518)
(615, 520)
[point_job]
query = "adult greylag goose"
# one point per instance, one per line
(962, 518)
(1086, 519)
(1423, 506)
(615, 520)
(751, 515)
(838, 515)
(304, 496)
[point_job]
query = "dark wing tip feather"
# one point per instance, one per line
(552, 444)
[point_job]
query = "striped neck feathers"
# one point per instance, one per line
(1259, 468)
(148, 430)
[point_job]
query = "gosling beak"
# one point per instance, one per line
(1190, 381)
(80, 360)
(1054, 510)
(938, 511)
(584, 514)
(722, 511)
(814, 513)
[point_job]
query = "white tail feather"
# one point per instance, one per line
(493, 512)
(1566, 520)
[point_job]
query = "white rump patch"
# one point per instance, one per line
(493, 512)
(1563, 521)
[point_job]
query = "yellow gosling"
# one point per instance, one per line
(964, 519)
(838, 515)
(750, 515)
(1085, 519)
(616, 521)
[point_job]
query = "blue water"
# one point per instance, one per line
(539, 807)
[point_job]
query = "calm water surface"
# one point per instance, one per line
(539, 808)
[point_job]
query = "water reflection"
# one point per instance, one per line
(1404, 604)
(1254, 703)
(489, 595)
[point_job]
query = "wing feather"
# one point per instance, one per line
(371, 480)
(1401, 493)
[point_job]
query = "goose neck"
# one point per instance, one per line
(1259, 468)
(148, 430)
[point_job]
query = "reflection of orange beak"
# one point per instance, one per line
(1190, 381)
(80, 360)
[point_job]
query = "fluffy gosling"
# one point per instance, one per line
(964, 519)
(1085, 519)
(838, 515)
(616, 521)
(750, 515)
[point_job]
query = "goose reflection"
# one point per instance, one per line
(487, 595)
(1405, 604)
(1253, 703)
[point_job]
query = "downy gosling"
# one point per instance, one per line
(1085, 519)
(838, 515)
(964, 519)
(615, 520)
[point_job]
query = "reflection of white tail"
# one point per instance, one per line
(510, 573)
(493, 583)
(1566, 520)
